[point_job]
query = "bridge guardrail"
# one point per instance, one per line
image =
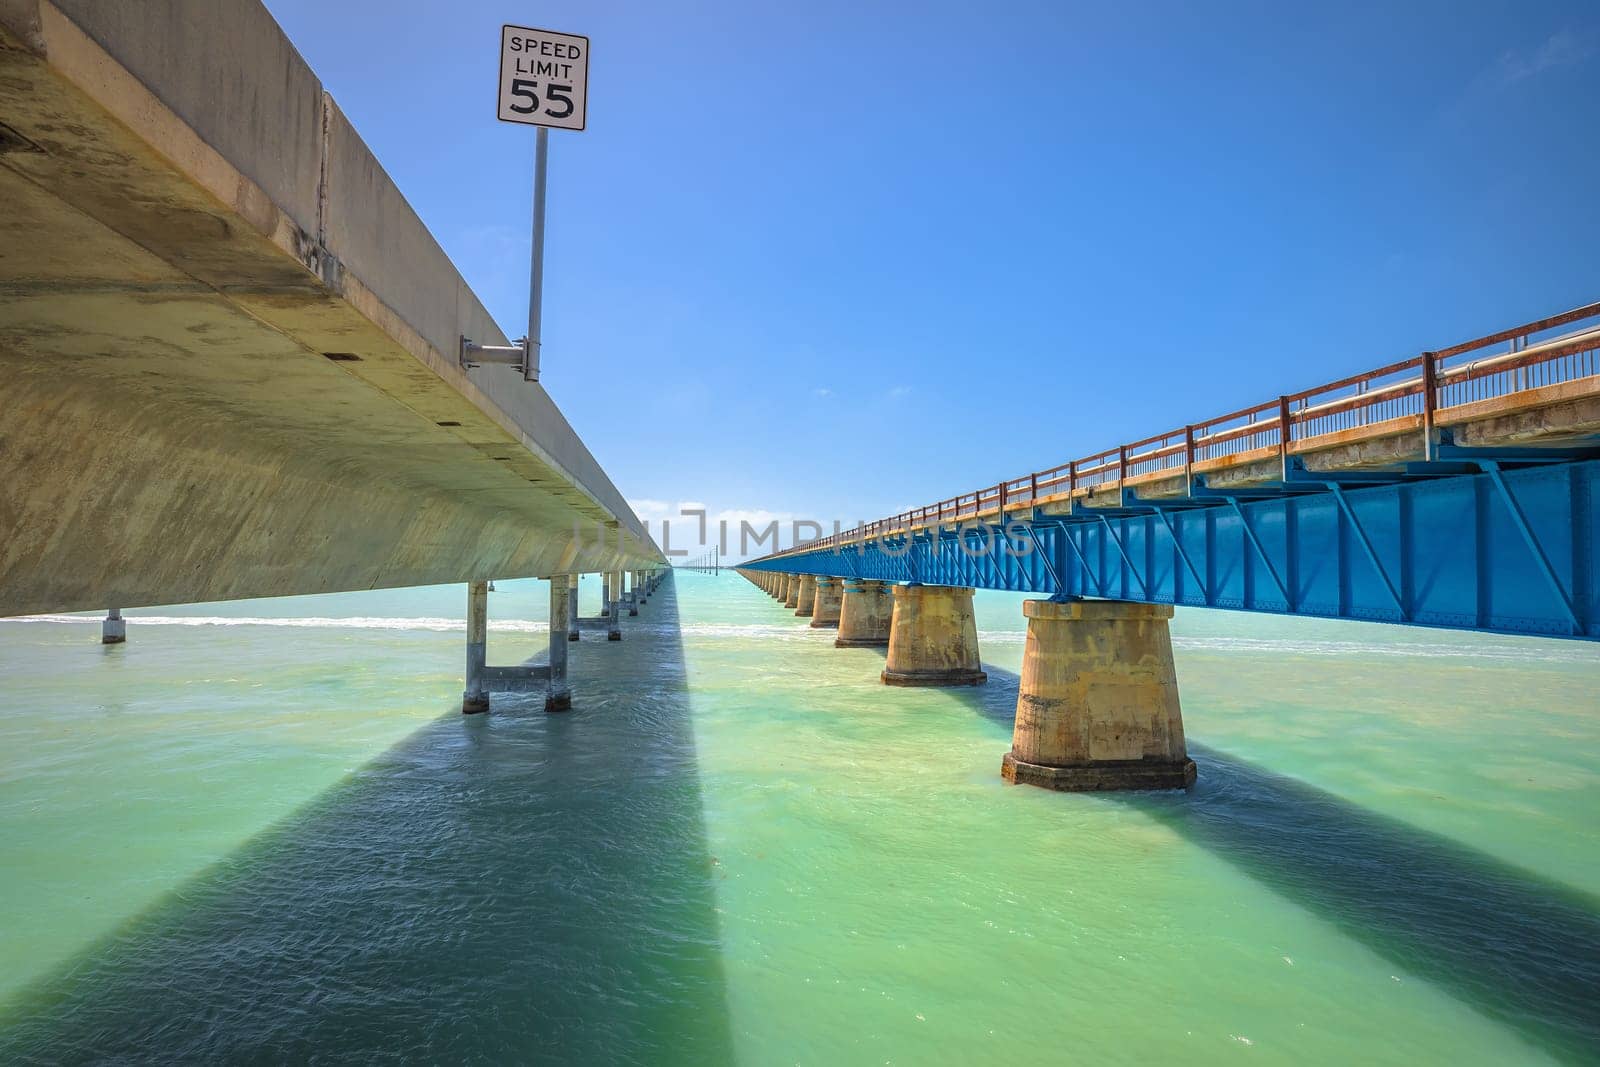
(1413, 394)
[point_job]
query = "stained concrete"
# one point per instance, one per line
(865, 612)
(1097, 705)
(933, 638)
(806, 595)
(825, 608)
(229, 345)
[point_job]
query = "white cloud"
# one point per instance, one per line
(1562, 48)
(822, 392)
(899, 391)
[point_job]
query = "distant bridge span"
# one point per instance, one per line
(1459, 488)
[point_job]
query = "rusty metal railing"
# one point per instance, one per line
(1413, 394)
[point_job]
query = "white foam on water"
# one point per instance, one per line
(358, 622)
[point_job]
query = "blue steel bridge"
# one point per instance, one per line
(1459, 488)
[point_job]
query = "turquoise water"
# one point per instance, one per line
(262, 831)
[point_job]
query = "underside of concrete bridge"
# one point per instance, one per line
(229, 349)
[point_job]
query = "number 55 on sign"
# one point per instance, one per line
(544, 77)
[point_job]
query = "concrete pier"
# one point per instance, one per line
(806, 598)
(778, 587)
(573, 627)
(113, 630)
(605, 594)
(933, 638)
(614, 630)
(865, 611)
(558, 695)
(476, 698)
(632, 579)
(1098, 704)
(791, 595)
(825, 608)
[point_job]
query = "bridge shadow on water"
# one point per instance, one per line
(510, 887)
(1521, 949)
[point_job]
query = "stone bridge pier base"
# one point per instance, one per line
(865, 609)
(779, 589)
(113, 628)
(791, 594)
(1098, 703)
(806, 598)
(933, 638)
(825, 608)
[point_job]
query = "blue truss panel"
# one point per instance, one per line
(1506, 550)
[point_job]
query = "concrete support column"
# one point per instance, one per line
(558, 697)
(865, 609)
(642, 585)
(806, 599)
(605, 594)
(572, 607)
(632, 578)
(933, 638)
(1098, 703)
(825, 609)
(614, 630)
(791, 592)
(114, 629)
(476, 698)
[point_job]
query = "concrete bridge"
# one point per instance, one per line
(1459, 488)
(231, 351)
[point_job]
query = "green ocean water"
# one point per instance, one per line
(263, 832)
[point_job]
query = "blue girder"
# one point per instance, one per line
(1494, 540)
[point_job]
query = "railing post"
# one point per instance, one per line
(1283, 438)
(1072, 477)
(1122, 464)
(1188, 456)
(1033, 488)
(1430, 401)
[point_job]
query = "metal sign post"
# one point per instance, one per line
(544, 82)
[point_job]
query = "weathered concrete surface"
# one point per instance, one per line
(825, 608)
(806, 596)
(1097, 707)
(791, 594)
(933, 638)
(229, 345)
(865, 611)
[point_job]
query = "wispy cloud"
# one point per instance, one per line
(899, 391)
(822, 391)
(1564, 48)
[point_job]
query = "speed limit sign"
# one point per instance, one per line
(544, 77)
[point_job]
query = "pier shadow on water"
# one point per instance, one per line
(510, 887)
(1521, 949)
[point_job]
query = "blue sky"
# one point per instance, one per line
(833, 260)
